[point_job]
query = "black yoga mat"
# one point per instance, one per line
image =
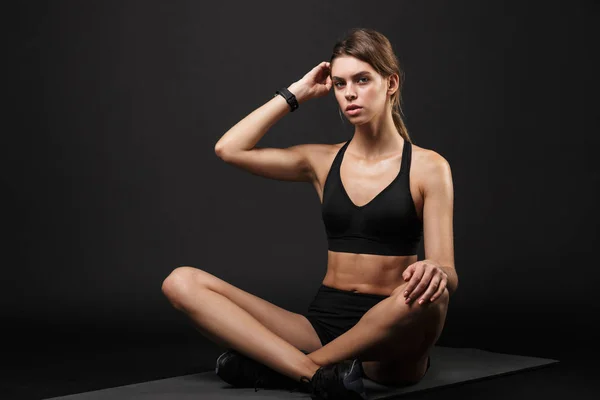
(449, 366)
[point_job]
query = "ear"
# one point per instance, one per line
(392, 82)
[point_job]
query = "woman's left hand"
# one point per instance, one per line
(427, 281)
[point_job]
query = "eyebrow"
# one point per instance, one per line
(355, 75)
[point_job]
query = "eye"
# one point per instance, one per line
(359, 79)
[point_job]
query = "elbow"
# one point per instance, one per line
(220, 152)
(218, 149)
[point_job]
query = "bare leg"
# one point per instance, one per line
(225, 323)
(370, 330)
(390, 331)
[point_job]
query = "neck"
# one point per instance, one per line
(375, 138)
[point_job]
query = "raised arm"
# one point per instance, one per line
(238, 145)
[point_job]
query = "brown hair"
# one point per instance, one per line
(374, 48)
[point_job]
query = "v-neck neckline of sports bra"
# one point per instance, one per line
(339, 172)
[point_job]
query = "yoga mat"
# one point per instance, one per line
(449, 366)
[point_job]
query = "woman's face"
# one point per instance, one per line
(355, 82)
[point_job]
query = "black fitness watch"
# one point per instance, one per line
(289, 97)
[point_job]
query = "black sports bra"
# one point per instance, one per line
(387, 225)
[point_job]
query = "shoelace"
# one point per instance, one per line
(317, 385)
(303, 380)
(259, 372)
(258, 382)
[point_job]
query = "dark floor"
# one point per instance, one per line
(61, 370)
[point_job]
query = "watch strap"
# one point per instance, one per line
(289, 98)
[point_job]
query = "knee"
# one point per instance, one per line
(405, 312)
(179, 282)
(445, 297)
(442, 301)
(398, 296)
(412, 311)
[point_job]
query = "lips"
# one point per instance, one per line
(352, 107)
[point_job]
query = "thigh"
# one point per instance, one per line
(292, 327)
(405, 360)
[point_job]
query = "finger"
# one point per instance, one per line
(420, 288)
(408, 272)
(328, 83)
(422, 284)
(316, 71)
(440, 290)
(413, 280)
(431, 290)
(323, 74)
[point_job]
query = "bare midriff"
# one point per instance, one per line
(366, 273)
(369, 273)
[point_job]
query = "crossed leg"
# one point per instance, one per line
(392, 339)
(236, 319)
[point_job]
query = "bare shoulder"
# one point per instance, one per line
(429, 167)
(427, 158)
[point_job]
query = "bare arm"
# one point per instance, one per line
(246, 133)
(437, 217)
(238, 145)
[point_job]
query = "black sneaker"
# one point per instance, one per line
(242, 371)
(341, 380)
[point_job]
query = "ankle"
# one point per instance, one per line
(308, 372)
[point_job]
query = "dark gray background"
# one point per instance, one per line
(111, 181)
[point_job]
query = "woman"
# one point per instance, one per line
(379, 311)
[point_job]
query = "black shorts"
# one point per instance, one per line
(333, 311)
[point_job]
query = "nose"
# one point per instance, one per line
(349, 93)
